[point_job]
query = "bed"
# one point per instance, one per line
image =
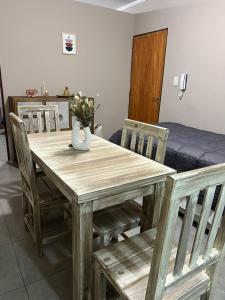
(189, 148)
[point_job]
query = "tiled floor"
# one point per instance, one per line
(23, 275)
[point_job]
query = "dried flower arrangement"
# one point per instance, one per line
(82, 108)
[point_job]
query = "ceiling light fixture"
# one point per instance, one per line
(124, 7)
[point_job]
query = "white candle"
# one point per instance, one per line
(43, 88)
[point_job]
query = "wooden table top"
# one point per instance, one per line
(90, 175)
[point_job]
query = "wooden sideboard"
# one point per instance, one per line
(65, 116)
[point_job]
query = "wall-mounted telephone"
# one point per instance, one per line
(183, 84)
(183, 81)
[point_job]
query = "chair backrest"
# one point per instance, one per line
(39, 118)
(156, 137)
(207, 250)
(24, 158)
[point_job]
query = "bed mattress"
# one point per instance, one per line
(189, 148)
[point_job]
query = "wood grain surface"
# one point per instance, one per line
(89, 175)
(147, 69)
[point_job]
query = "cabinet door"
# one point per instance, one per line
(63, 114)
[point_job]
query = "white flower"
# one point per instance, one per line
(77, 97)
(79, 93)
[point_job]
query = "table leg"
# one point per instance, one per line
(82, 250)
(152, 206)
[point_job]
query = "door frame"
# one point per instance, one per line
(140, 34)
(4, 114)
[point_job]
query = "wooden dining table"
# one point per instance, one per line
(104, 176)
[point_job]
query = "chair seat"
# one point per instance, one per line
(117, 219)
(128, 265)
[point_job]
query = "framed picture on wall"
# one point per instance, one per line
(69, 43)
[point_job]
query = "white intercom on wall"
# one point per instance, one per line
(183, 81)
(183, 84)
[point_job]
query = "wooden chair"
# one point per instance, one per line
(143, 267)
(111, 222)
(37, 207)
(39, 118)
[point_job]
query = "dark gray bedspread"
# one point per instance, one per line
(189, 148)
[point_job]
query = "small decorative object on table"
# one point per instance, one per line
(84, 111)
(66, 92)
(31, 92)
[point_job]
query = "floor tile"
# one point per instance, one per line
(8, 173)
(19, 294)
(56, 287)
(57, 257)
(10, 189)
(3, 151)
(4, 233)
(10, 277)
(13, 215)
(15, 224)
(219, 295)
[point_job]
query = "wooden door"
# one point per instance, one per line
(147, 76)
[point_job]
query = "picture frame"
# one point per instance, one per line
(69, 43)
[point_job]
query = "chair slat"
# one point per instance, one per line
(161, 149)
(124, 137)
(206, 208)
(39, 120)
(30, 121)
(186, 228)
(56, 119)
(47, 121)
(216, 222)
(133, 140)
(149, 147)
(141, 143)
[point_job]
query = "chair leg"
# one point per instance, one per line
(105, 240)
(100, 283)
(25, 208)
(205, 296)
(114, 239)
(24, 203)
(37, 231)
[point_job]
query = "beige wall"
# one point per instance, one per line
(196, 45)
(31, 52)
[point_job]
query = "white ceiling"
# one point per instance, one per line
(147, 5)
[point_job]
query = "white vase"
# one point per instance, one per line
(76, 142)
